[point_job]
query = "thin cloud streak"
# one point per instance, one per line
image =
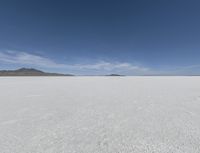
(24, 58)
(100, 67)
(27, 59)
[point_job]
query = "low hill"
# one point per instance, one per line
(29, 72)
(114, 75)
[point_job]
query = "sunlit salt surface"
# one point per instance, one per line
(100, 114)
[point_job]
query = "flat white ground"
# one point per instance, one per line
(100, 114)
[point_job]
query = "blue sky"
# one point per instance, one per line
(132, 37)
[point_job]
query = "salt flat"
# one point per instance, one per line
(100, 114)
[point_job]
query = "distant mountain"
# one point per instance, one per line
(29, 72)
(114, 75)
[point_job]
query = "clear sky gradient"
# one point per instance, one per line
(132, 37)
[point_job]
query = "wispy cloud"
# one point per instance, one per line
(24, 58)
(27, 59)
(110, 66)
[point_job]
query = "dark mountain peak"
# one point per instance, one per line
(29, 72)
(115, 75)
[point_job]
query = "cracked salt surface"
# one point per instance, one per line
(99, 114)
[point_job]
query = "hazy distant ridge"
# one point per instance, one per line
(29, 72)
